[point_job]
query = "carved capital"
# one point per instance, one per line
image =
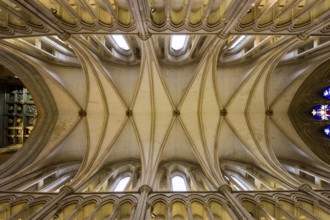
(144, 37)
(67, 190)
(64, 35)
(305, 188)
(303, 36)
(223, 35)
(145, 188)
(225, 188)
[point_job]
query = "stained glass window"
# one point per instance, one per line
(321, 112)
(326, 131)
(326, 93)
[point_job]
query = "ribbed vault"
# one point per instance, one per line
(117, 100)
(155, 112)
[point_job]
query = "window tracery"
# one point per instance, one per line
(322, 112)
(49, 179)
(310, 175)
(245, 177)
(117, 178)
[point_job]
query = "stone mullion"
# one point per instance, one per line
(209, 211)
(192, 180)
(308, 190)
(94, 213)
(168, 179)
(230, 211)
(264, 211)
(148, 211)
(140, 210)
(235, 204)
(50, 206)
(105, 179)
(132, 179)
(132, 217)
(189, 212)
(114, 213)
(139, 19)
(168, 212)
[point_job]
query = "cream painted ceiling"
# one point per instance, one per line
(154, 105)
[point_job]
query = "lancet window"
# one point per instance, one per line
(178, 183)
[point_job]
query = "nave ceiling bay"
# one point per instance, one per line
(220, 97)
(154, 109)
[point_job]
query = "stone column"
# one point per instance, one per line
(50, 208)
(168, 212)
(237, 207)
(114, 213)
(141, 207)
(209, 211)
(308, 190)
(133, 213)
(189, 212)
(148, 212)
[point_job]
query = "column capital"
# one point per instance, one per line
(144, 37)
(224, 188)
(305, 187)
(67, 190)
(303, 36)
(223, 35)
(64, 35)
(145, 188)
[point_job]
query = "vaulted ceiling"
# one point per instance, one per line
(212, 101)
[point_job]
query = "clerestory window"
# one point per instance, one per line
(120, 41)
(178, 183)
(178, 41)
(121, 185)
(237, 40)
(240, 183)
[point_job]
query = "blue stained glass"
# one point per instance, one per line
(321, 112)
(326, 131)
(326, 93)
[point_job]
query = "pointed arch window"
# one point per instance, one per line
(240, 183)
(237, 40)
(120, 41)
(178, 183)
(178, 42)
(121, 185)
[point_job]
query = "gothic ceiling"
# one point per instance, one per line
(223, 96)
(64, 17)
